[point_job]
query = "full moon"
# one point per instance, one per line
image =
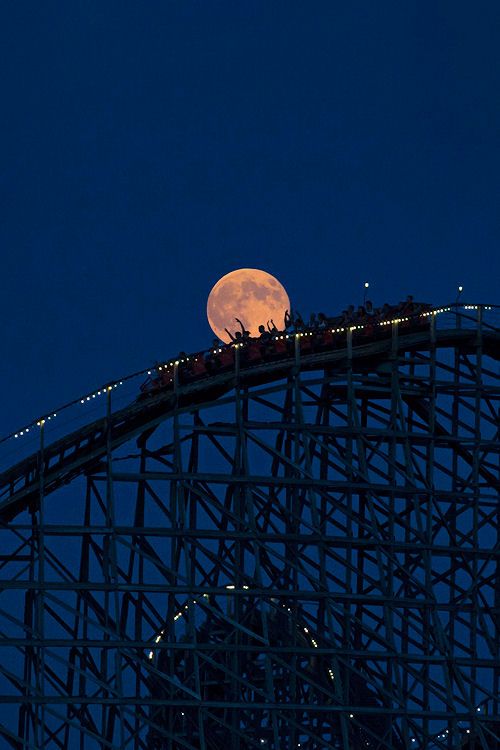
(249, 294)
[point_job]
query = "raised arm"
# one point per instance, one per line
(241, 324)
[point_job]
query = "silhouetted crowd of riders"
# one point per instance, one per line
(320, 333)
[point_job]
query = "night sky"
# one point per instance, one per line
(149, 148)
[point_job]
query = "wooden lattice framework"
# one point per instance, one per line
(304, 553)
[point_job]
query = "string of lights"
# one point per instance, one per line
(183, 613)
(170, 364)
(257, 522)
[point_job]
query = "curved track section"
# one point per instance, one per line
(300, 552)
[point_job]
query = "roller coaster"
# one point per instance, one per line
(294, 545)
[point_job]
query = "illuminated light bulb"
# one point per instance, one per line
(16, 435)
(82, 400)
(351, 716)
(176, 361)
(149, 372)
(28, 429)
(121, 382)
(93, 395)
(366, 285)
(23, 433)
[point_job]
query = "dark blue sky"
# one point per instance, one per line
(149, 148)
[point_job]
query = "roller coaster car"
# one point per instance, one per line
(256, 351)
